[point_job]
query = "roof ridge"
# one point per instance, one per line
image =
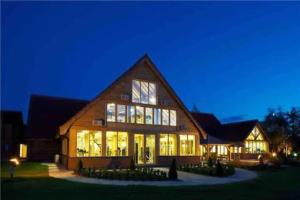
(240, 122)
(57, 97)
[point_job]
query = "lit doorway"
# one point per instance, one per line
(144, 149)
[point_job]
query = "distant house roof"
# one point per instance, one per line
(11, 117)
(224, 133)
(47, 113)
(207, 121)
(238, 131)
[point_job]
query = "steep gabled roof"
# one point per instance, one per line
(47, 113)
(207, 121)
(225, 133)
(238, 131)
(147, 61)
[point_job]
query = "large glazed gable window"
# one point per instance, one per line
(116, 143)
(89, 143)
(143, 92)
(111, 112)
(136, 91)
(255, 142)
(172, 117)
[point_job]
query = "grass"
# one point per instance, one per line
(275, 185)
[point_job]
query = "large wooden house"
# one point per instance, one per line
(139, 117)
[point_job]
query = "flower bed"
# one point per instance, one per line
(225, 170)
(138, 174)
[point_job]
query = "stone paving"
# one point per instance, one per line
(185, 178)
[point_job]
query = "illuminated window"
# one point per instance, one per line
(111, 112)
(255, 142)
(89, 143)
(222, 150)
(157, 116)
(139, 114)
(136, 91)
(121, 110)
(187, 145)
(152, 94)
(23, 151)
(116, 143)
(149, 116)
(168, 144)
(172, 117)
(165, 117)
(131, 114)
(143, 92)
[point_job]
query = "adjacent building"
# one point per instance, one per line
(239, 140)
(12, 130)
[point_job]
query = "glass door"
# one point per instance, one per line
(139, 148)
(150, 149)
(144, 149)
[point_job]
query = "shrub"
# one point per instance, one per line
(210, 162)
(172, 171)
(220, 171)
(132, 165)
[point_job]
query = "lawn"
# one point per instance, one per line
(275, 184)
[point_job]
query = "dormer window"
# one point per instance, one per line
(143, 92)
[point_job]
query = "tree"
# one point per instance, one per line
(173, 171)
(276, 126)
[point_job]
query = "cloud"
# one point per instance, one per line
(233, 118)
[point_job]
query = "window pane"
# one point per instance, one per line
(163, 144)
(165, 117)
(130, 114)
(150, 149)
(172, 145)
(82, 144)
(157, 116)
(139, 148)
(122, 144)
(149, 116)
(187, 145)
(191, 145)
(111, 143)
(152, 94)
(136, 96)
(95, 143)
(139, 115)
(144, 92)
(111, 112)
(121, 113)
(172, 117)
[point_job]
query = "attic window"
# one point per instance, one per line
(143, 92)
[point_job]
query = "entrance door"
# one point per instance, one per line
(150, 149)
(139, 148)
(144, 149)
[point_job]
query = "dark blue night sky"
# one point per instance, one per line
(233, 59)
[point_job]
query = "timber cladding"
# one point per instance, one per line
(96, 110)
